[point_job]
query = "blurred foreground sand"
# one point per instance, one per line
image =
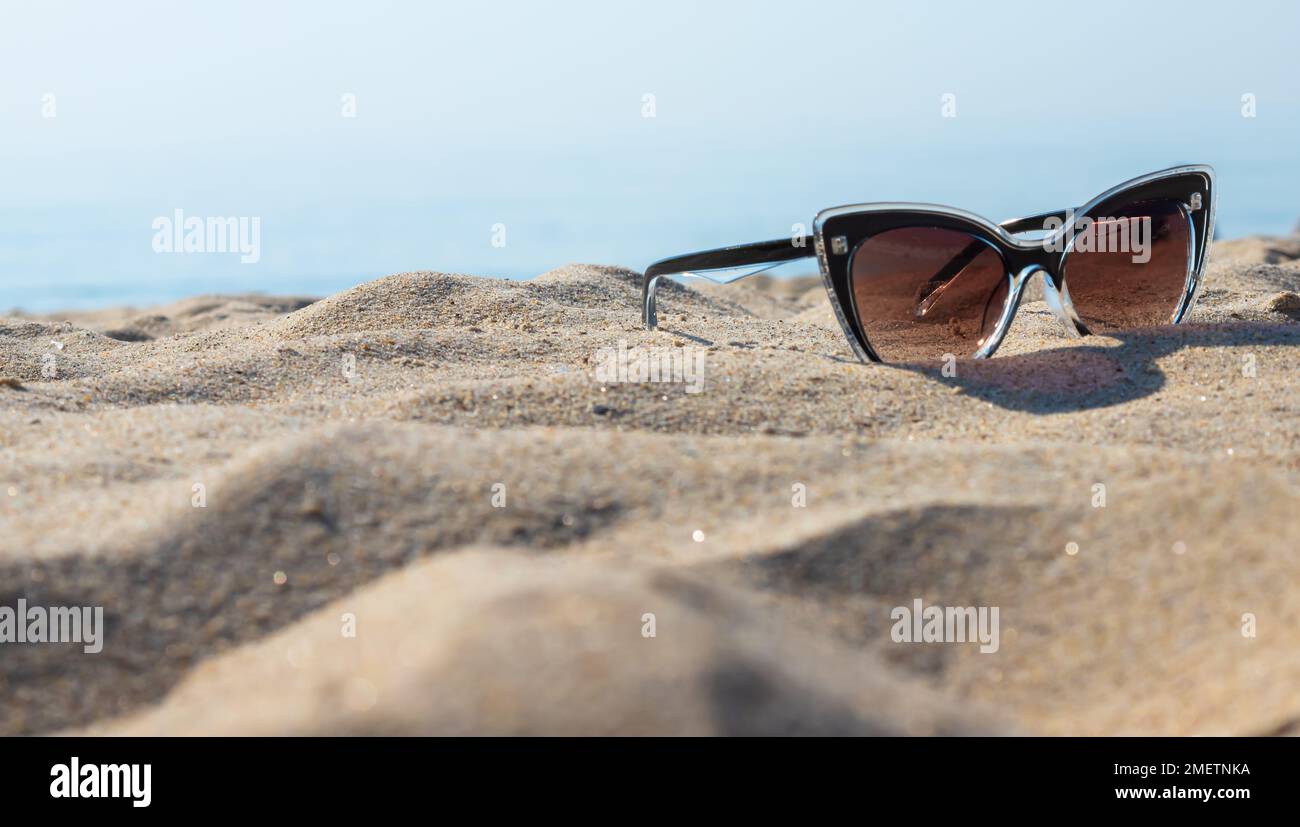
(348, 451)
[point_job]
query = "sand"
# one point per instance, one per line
(413, 508)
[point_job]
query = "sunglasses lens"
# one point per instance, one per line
(924, 292)
(1130, 269)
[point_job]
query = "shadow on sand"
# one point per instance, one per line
(1088, 377)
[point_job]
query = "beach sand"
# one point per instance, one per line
(412, 508)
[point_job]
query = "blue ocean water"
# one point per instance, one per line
(98, 255)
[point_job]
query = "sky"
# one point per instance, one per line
(509, 138)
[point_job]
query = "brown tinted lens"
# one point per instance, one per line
(922, 292)
(1131, 269)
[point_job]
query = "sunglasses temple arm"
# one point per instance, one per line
(770, 253)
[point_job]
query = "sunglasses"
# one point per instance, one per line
(918, 282)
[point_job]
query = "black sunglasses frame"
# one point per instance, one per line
(840, 231)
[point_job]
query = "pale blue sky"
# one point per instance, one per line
(469, 115)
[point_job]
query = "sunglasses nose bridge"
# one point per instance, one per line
(1018, 280)
(1022, 276)
(1058, 301)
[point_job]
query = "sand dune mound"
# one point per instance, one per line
(406, 300)
(185, 316)
(484, 641)
(586, 280)
(445, 458)
(34, 351)
(593, 287)
(554, 302)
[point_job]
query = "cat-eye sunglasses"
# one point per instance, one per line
(914, 282)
